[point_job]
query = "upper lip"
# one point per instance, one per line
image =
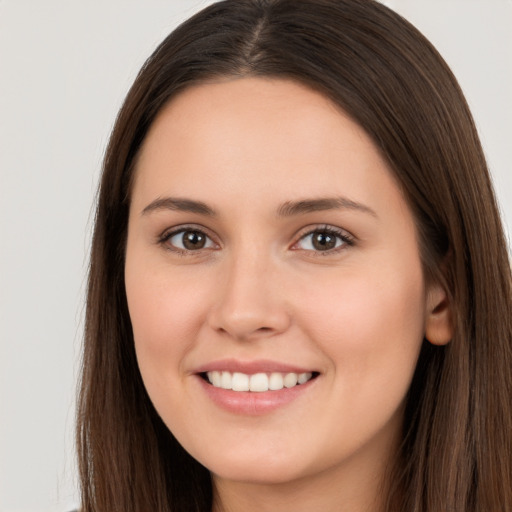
(250, 367)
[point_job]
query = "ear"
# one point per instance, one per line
(438, 316)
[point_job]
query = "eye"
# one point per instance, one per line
(324, 240)
(188, 240)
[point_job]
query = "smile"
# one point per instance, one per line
(254, 388)
(258, 382)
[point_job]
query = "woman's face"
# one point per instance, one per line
(268, 242)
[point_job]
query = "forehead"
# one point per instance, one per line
(254, 112)
(242, 135)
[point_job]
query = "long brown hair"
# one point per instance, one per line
(457, 443)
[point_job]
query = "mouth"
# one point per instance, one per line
(256, 382)
(257, 387)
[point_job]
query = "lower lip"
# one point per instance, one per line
(254, 403)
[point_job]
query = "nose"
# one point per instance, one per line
(251, 302)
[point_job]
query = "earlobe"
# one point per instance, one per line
(439, 317)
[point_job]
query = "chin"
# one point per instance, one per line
(258, 467)
(262, 475)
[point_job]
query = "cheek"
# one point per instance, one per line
(371, 324)
(166, 316)
(371, 329)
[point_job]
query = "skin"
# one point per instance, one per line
(356, 314)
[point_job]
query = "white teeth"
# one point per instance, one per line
(225, 380)
(257, 382)
(304, 377)
(275, 383)
(216, 378)
(240, 382)
(290, 380)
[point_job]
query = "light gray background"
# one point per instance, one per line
(65, 66)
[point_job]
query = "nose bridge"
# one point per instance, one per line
(249, 303)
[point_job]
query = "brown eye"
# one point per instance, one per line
(324, 240)
(193, 240)
(190, 240)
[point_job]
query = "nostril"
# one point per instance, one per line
(247, 319)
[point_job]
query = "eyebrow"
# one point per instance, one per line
(179, 204)
(291, 208)
(287, 209)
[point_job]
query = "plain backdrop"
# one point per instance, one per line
(65, 66)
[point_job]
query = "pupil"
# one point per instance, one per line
(324, 241)
(193, 240)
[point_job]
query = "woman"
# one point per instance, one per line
(299, 294)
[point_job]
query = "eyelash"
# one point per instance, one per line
(165, 238)
(344, 240)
